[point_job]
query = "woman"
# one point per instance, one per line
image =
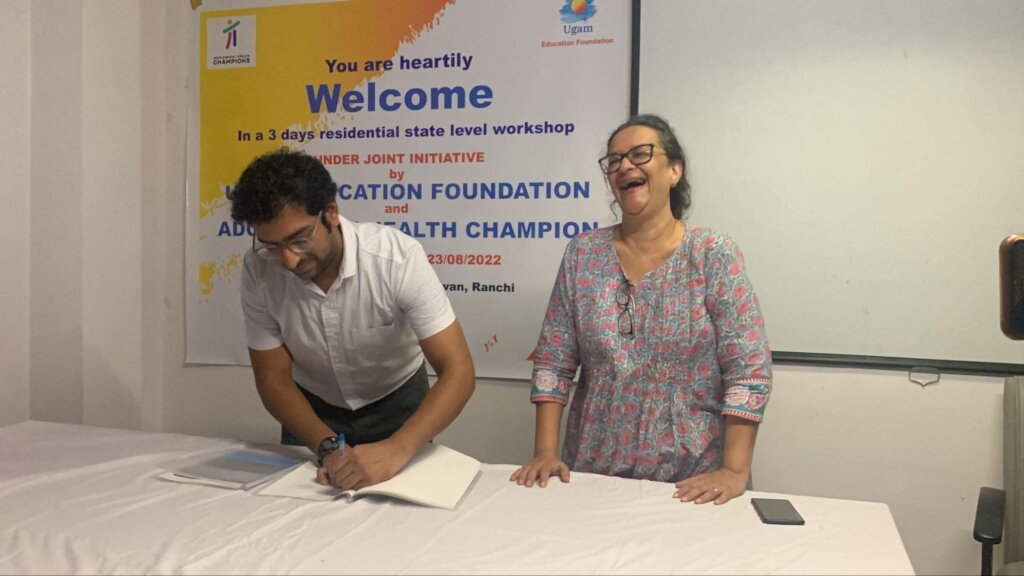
(667, 333)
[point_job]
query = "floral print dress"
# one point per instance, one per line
(661, 361)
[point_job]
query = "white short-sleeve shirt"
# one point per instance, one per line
(360, 341)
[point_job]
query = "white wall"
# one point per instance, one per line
(55, 213)
(105, 319)
(15, 95)
(877, 436)
(112, 215)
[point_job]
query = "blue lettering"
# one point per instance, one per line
(323, 96)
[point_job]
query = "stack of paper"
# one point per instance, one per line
(239, 469)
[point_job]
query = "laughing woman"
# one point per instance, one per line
(666, 332)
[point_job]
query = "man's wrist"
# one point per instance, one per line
(407, 445)
(327, 446)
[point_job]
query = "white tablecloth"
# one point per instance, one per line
(85, 500)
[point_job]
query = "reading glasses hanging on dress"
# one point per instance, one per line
(624, 298)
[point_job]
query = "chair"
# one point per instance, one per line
(1000, 512)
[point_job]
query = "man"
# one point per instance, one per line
(339, 316)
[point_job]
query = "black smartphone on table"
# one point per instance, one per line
(777, 511)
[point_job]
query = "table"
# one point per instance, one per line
(86, 500)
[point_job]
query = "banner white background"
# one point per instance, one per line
(559, 81)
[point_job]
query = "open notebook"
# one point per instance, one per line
(437, 476)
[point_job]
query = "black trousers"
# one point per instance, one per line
(373, 422)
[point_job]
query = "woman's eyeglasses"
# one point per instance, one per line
(637, 155)
(624, 298)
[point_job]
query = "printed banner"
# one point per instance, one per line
(473, 126)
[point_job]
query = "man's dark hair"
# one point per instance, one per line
(277, 179)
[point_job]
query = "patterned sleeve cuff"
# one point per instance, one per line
(747, 399)
(548, 387)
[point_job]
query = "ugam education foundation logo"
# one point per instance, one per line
(231, 42)
(575, 14)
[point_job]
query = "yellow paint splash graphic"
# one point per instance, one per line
(210, 270)
(293, 44)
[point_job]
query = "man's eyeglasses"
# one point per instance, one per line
(637, 155)
(624, 298)
(273, 250)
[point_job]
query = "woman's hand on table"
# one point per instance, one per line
(539, 470)
(719, 487)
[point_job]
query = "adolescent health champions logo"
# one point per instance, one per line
(232, 33)
(231, 42)
(575, 11)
